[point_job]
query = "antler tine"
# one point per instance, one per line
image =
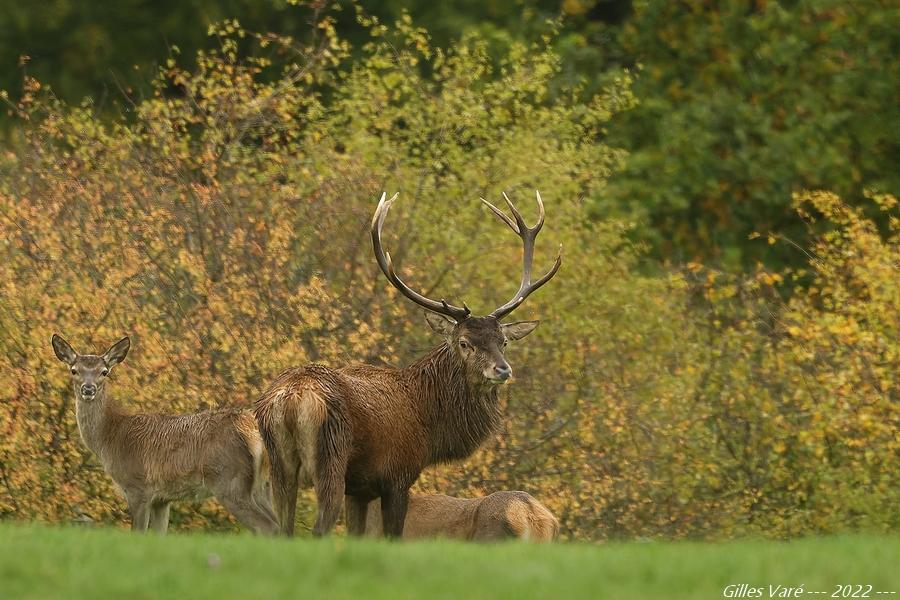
(528, 235)
(549, 274)
(519, 220)
(381, 212)
(540, 222)
(502, 216)
(387, 267)
(519, 224)
(450, 307)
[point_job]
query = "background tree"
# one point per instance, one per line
(744, 103)
(225, 227)
(741, 103)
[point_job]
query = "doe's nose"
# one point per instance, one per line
(503, 371)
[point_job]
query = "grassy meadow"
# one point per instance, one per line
(74, 563)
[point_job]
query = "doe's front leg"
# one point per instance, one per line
(159, 516)
(139, 507)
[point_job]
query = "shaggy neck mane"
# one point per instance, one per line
(458, 413)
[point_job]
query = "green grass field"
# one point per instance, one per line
(91, 563)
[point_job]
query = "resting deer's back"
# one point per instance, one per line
(499, 516)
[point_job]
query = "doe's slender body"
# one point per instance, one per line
(157, 459)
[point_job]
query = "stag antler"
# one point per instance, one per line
(387, 267)
(528, 236)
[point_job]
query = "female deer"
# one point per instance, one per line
(157, 459)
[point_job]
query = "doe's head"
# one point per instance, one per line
(89, 371)
(481, 342)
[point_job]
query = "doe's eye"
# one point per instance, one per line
(464, 344)
(74, 371)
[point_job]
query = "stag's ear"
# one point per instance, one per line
(519, 329)
(63, 350)
(117, 353)
(440, 323)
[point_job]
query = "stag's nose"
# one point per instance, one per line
(88, 389)
(502, 372)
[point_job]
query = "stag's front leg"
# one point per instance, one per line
(357, 509)
(394, 502)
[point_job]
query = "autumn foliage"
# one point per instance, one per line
(222, 223)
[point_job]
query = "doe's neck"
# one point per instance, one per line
(93, 416)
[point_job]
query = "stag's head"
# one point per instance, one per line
(89, 371)
(479, 341)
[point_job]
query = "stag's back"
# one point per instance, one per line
(382, 412)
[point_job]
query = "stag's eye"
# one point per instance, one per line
(503, 345)
(74, 371)
(464, 344)
(104, 372)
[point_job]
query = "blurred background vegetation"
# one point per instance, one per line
(719, 352)
(742, 102)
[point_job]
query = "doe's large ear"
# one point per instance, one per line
(440, 323)
(519, 329)
(117, 353)
(63, 350)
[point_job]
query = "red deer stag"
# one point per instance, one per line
(499, 516)
(157, 459)
(367, 432)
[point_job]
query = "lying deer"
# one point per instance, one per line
(367, 432)
(158, 459)
(500, 516)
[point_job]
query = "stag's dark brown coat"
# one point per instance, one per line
(368, 432)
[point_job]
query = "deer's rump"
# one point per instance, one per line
(315, 410)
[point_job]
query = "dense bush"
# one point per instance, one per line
(224, 226)
(743, 103)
